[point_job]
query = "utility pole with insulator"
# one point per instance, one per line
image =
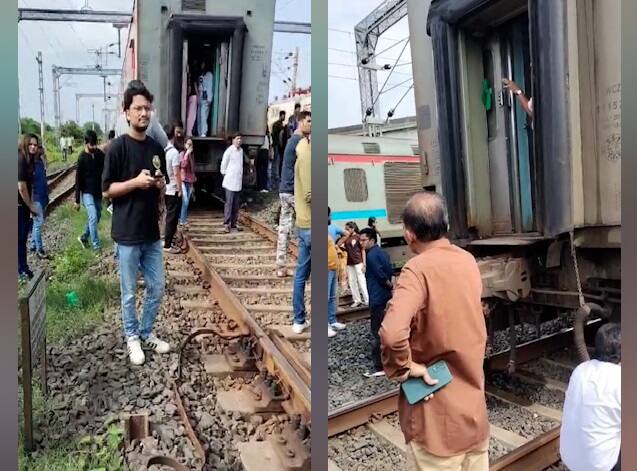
(295, 69)
(41, 88)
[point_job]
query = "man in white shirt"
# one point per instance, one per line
(232, 171)
(590, 436)
(204, 99)
(173, 188)
(64, 147)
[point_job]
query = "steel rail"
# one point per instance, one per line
(270, 356)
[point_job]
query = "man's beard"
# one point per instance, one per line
(140, 129)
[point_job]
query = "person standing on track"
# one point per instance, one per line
(63, 147)
(173, 189)
(286, 193)
(332, 266)
(40, 200)
(263, 157)
(88, 188)
(436, 314)
(279, 142)
(232, 171)
(350, 242)
(134, 177)
(26, 208)
(302, 203)
(378, 273)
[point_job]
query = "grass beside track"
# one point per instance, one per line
(72, 270)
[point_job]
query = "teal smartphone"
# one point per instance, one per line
(416, 389)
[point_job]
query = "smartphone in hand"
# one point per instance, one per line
(415, 389)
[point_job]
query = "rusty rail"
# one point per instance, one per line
(539, 453)
(54, 182)
(270, 356)
(358, 413)
(58, 174)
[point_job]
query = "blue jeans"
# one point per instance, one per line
(36, 231)
(303, 269)
(94, 210)
(24, 220)
(331, 296)
(186, 193)
(148, 256)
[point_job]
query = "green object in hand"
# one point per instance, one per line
(487, 94)
(72, 299)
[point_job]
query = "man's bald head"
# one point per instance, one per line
(425, 216)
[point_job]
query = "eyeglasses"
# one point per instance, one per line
(139, 109)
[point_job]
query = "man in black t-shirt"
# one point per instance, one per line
(88, 186)
(134, 178)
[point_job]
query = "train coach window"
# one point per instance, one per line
(355, 182)
(371, 147)
(195, 5)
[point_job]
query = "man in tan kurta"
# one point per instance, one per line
(436, 314)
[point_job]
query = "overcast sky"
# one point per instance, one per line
(67, 46)
(344, 97)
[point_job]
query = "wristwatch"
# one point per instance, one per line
(518, 92)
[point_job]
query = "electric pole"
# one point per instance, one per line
(295, 69)
(41, 86)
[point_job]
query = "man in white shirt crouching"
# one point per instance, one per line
(590, 436)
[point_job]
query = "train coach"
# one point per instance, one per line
(374, 177)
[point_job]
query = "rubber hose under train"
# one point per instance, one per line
(581, 317)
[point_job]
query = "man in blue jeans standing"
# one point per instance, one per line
(133, 178)
(302, 203)
(88, 187)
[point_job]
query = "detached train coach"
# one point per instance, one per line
(374, 177)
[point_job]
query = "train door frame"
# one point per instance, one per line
(553, 184)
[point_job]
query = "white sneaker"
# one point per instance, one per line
(299, 328)
(355, 304)
(153, 343)
(337, 326)
(330, 332)
(135, 352)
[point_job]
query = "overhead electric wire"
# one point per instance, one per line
(388, 76)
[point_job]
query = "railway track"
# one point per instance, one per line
(261, 367)
(61, 185)
(524, 412)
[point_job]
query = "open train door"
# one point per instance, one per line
(187, 28)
